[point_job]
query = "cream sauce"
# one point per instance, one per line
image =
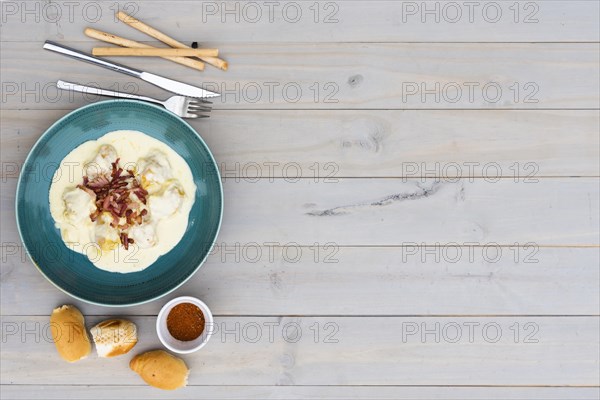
(162, 172)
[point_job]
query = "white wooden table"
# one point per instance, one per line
(351, 262)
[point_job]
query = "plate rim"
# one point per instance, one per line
(37, 143)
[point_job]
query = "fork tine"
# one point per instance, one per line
(189, 114)
(199, 108)
(193, 103)
(192, 108)
(197, 102)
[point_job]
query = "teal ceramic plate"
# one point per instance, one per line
(73, 272)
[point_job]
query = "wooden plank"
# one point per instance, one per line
(310, 21)
(265, 280)
(369, 351)
(371, 143)
(320, 76)
(59, 392)
(394, 212)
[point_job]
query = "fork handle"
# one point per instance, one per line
(74, 87)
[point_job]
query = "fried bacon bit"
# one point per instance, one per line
(112, 194)
(125, 241)
(141, 194)
(94, 216)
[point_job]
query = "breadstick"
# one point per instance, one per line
(114, 39)
(142, 27)
(154, 52)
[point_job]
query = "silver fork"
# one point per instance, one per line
(185, 107)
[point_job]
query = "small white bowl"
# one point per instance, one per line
(179, 346)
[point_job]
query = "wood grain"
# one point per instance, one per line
(371, 143)
(368, 351)
(310, 76)
(289, 280)
(315, 22)
(200, 392)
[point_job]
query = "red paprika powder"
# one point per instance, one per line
(185, 322)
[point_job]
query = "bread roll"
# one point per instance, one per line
(114, 337)
(69, 333)
(160, 369)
